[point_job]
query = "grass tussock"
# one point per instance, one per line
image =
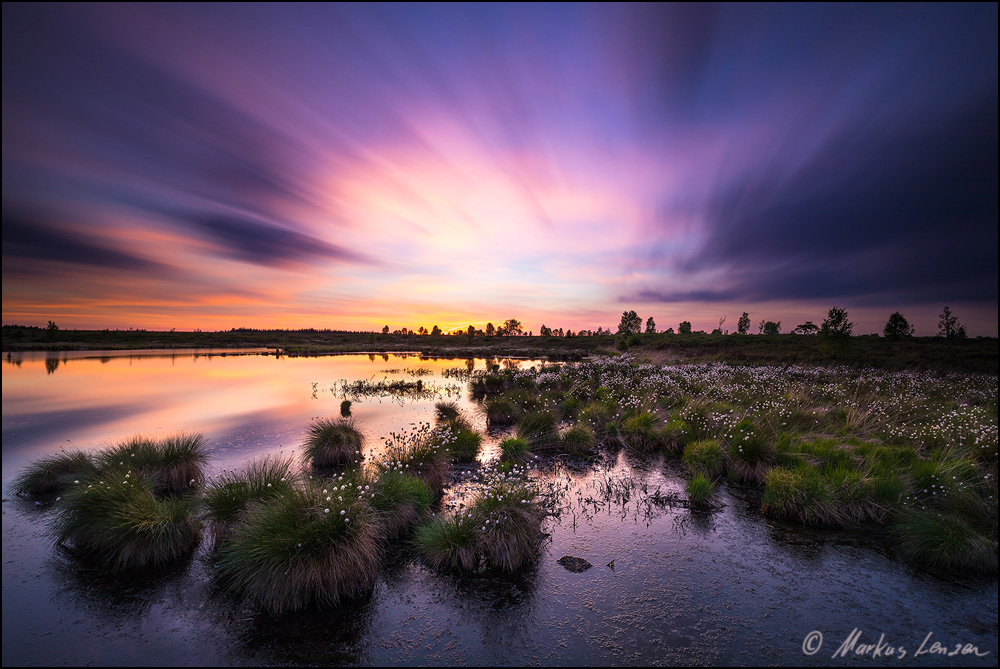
(800, 494)
(750, 454)
(400, 501)
(54, 474)
(176, 463)
(118, 519)
(306, 548)
(704, 457)
(578, 440)
(539, 429)
(499, 530)
(228, 495)
(700, 489)
(514, 449)
(947, 543)
(641, 431)
(333, 443)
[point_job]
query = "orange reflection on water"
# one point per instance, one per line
(245, 404)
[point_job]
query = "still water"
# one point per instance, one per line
(667, 586)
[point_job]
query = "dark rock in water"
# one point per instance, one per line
(574, 564)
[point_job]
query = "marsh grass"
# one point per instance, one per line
(176, 463)
(228, 495)
(802, 494)
(501, 411)
(333, 443)
(510, 525)
(750, 454)
(400, 500)
(423, 454)
(705, 458)
(116, 518)
(641, 431)
(303, 549)
(578, 440)
(448, 542)
(54, 474)
(538, 428)
(946, 542)
(514, 449)
(465, 445)
(700, 489)
(446, 411)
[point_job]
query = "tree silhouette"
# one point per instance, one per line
(650, 326)
(897, 327)
(684, 327)
(743, 326)
(948, 326)
(630, 324)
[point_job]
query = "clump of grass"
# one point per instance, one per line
(304, 548)
(640, 431)
(945, 542)
(229, 494)
(117, 518)
(500, 529)
(422, 455)
(182, 462)
(501, 411)
(447, 411)
(449, 542)
(700, 489)
(802, 494)
(333, 443)
(400, 500)
(510, 524)
(514, 449)
(675, 433)
(176, 463)
(704, 457)
(539, 429)
(750, 454)
(578, 440)
(569, 407)
(597, 414)
(345, 408)
(54, 474)
(465, 445)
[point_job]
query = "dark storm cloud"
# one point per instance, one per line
(879, 182)
(265, 244)
(26, 237)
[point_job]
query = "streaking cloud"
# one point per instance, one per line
(349, 166)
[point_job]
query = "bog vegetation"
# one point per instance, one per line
(829, 446)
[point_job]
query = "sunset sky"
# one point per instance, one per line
(191, 166)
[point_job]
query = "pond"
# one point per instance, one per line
(668, 585)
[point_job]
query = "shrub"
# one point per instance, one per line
(302, 549)
(333, 443)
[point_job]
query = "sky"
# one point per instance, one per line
(354, 166)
